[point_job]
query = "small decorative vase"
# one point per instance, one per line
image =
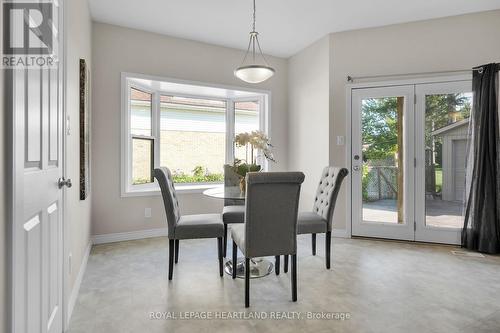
(243, 185)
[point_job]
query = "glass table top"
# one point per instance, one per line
(225, 192)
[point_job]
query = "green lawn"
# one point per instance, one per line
(439, 179)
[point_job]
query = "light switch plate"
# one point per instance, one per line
(340, 140)
(147, 212)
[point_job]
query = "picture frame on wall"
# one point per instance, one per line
(84, 130)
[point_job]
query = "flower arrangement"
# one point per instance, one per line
(255, 143)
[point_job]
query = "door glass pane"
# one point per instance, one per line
(382, 147)
(193, 138)
(142, 161)
(140, 112)
(246, 119)
(446, 128)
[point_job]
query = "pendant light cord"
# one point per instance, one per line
(254, 38)
(253, 26)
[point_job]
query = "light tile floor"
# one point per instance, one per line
(383, 286)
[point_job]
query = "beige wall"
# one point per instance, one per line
(452, 43)
(308, 106)
(116, 50)
(77, 215)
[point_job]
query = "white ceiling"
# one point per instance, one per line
(285, 26)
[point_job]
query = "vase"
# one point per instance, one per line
(243, 185)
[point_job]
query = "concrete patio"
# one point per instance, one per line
(439, 213)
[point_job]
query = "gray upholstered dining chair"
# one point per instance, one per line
(234, 210)
(320, 219)
(269, 229)
(187, 226)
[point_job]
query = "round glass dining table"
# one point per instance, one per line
(225, 192)
(259, 267)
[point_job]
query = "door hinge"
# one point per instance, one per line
(414, 225)
(415, 99)
(415, 162)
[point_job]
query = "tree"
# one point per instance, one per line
(379, 128)
(379, 122)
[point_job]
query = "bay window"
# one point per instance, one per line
(188, 128)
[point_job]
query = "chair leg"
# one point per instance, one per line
(170, 258)
(247, 282)
(314, 244)
(294, 277)
(328, 247)
(219, 252)
(225, 240)
(277, 265)
(176, 251)
(285, 266)
(235, 254)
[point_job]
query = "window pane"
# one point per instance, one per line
(140, 112)
(246, 119)
(446, 134)
(193, 138)
(142, 161)
(383, 157)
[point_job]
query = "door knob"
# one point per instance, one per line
(64, 182)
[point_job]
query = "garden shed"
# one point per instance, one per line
(454, 141)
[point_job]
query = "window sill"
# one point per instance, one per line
(179, 189)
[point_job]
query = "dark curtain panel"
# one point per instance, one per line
(481, 230)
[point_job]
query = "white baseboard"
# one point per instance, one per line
(340, 233)
(78, 282)
(161, 232)
(125, 236)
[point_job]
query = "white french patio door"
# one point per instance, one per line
(441, 122)
(408, 161)
(382, 162)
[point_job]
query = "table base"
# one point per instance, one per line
(259, 267)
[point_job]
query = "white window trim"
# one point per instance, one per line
(152, 189)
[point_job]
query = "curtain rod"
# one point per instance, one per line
(352, 78)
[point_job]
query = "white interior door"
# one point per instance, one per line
(382, 162)
(37, 120)
(442, 112)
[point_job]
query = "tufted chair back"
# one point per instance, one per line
(164, 177)
(328, 189)
(271, 213)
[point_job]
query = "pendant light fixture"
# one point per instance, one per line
(254, 72)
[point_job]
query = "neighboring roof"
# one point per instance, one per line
(450, 127)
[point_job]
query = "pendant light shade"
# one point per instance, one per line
(254, 71)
